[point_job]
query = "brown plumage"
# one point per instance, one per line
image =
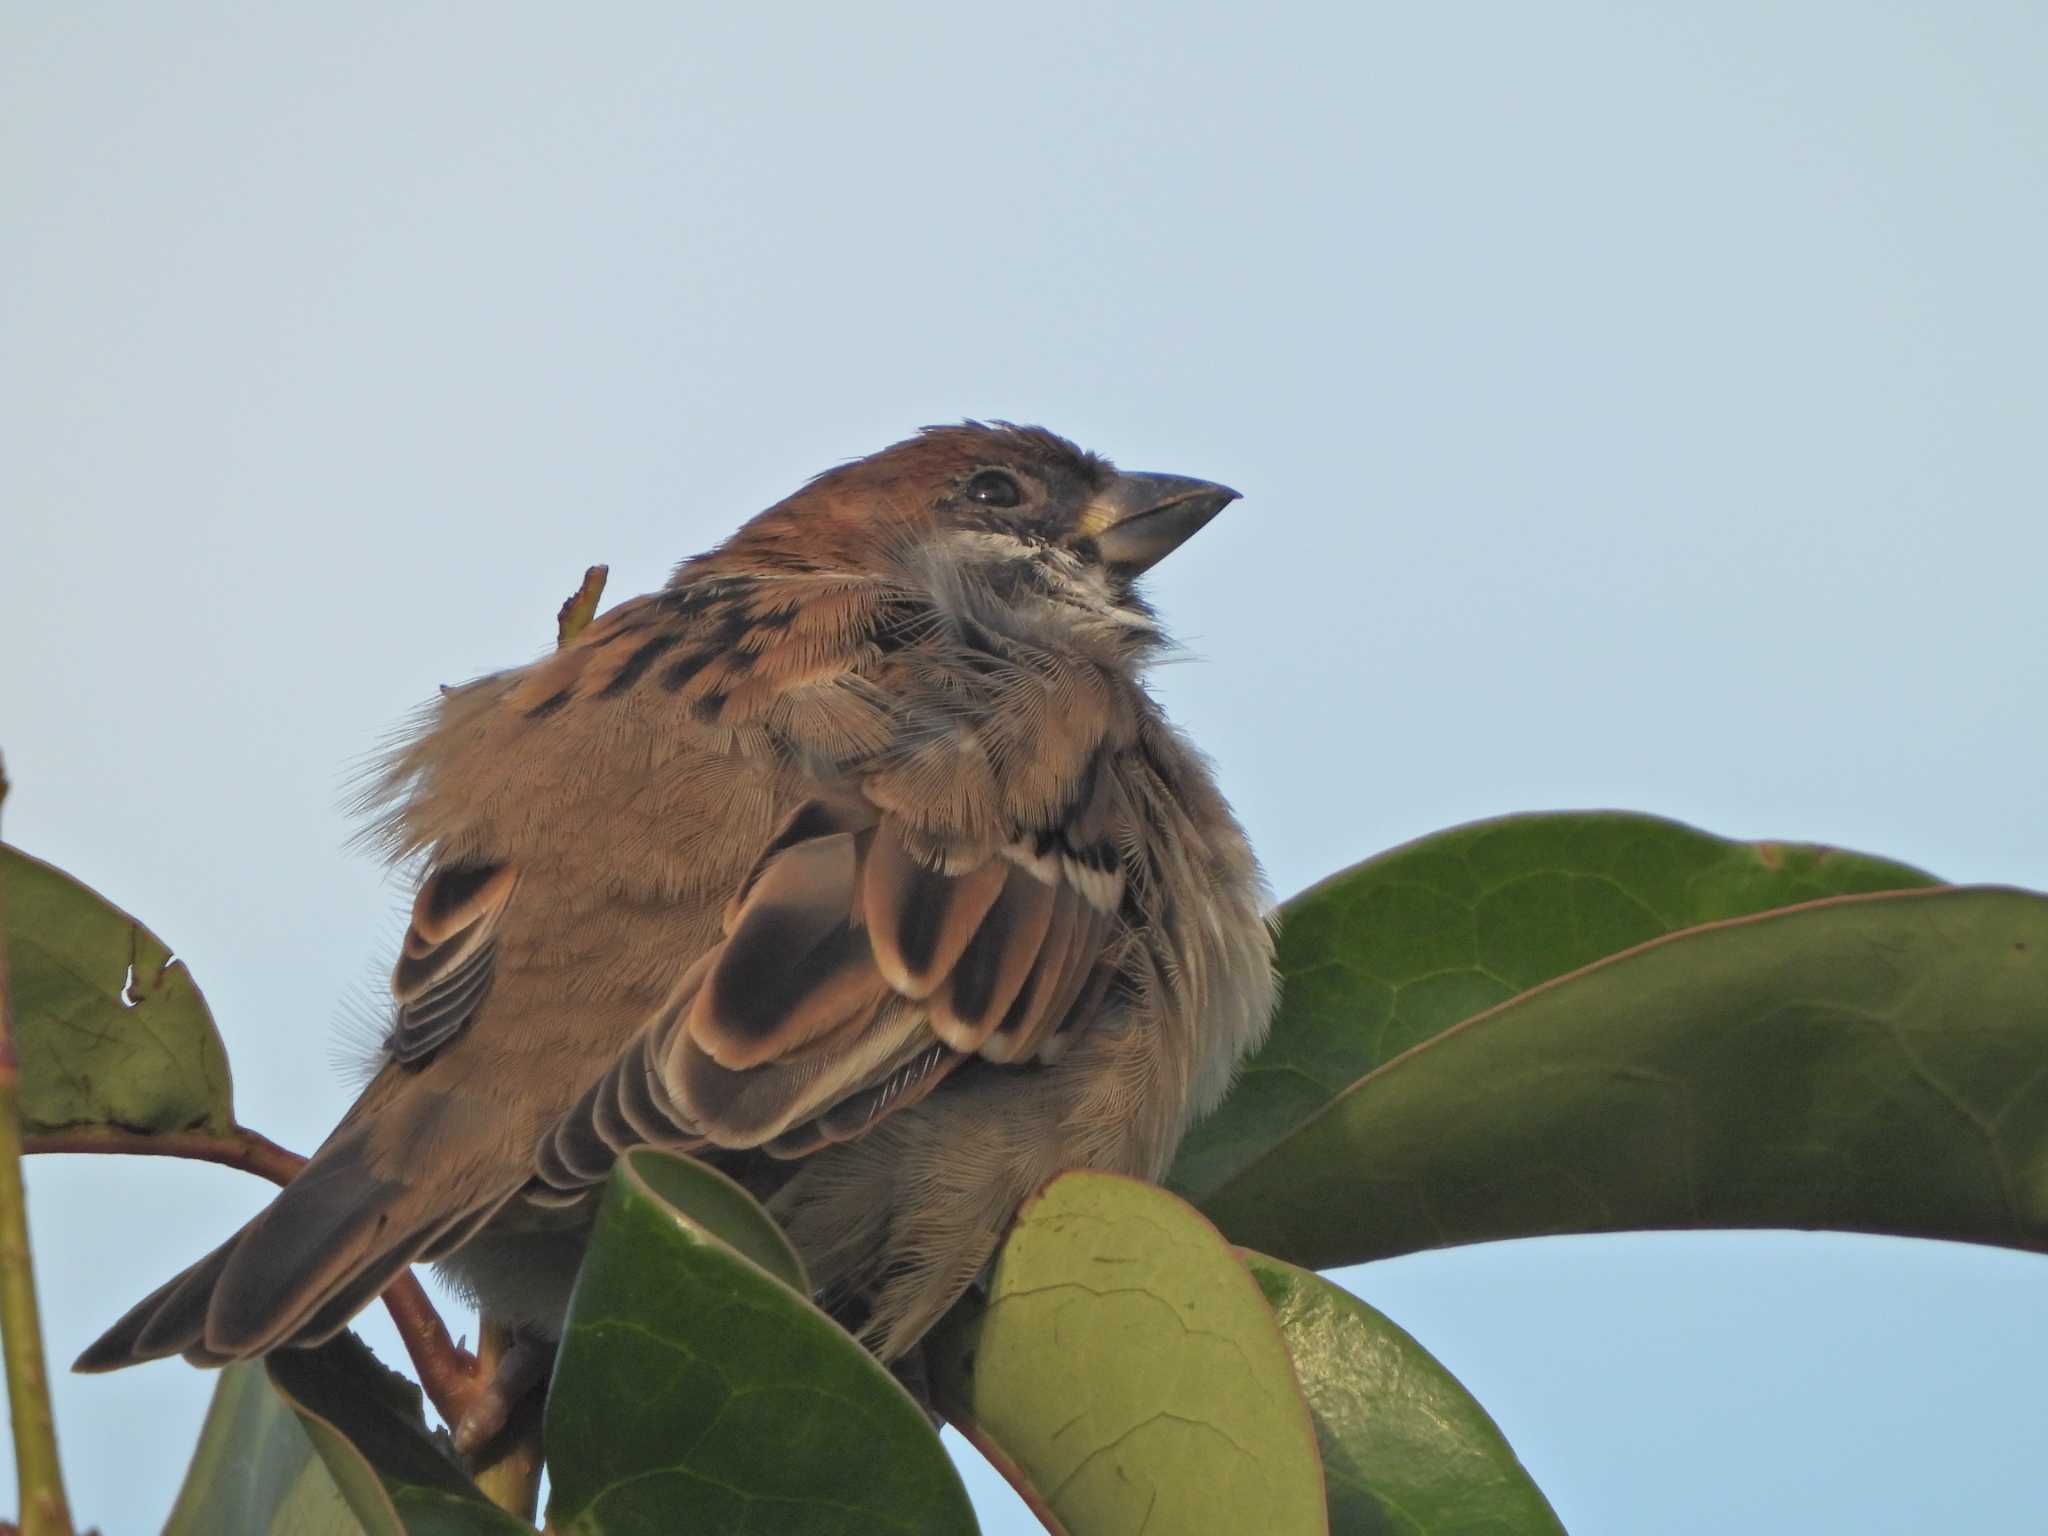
(856, 859)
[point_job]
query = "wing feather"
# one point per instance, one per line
(948, 890)
(855, 975)
(793, 966)
(445, 964)
(996, 962)
(919, 918)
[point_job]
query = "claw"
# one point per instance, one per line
(519, 1369)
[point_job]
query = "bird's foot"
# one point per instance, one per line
(519, 1368)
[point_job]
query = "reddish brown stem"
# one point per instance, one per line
(1011, 1473)
(448, 1373)
(241, 1148)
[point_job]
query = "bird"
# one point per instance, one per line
(857, 861)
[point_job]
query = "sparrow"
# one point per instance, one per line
(857, 861)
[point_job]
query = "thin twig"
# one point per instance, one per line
(250, 1151)
(40, 1475)
(448, 1373)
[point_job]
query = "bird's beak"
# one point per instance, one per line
(1141, 519)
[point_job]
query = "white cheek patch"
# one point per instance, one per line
(989, 546)
(1032, 591)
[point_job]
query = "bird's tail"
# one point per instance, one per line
(334, 1238)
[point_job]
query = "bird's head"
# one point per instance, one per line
(989, 494)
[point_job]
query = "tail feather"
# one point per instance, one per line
(331, 1240)
(168, 1321)
(180, 1320)
(374, 1275)
(447, 1239)
(309, 1243)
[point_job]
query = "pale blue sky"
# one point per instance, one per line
(1636, 405)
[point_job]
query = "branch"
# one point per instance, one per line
(242, 1148)
(44, 1509)
(448, 1374)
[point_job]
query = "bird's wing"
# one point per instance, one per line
(444, 967)
(953, 893)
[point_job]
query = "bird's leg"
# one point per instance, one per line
(519, 1369)
(507, 1461)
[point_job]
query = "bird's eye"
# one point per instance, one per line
(995, 488)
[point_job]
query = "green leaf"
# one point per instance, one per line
(697, 1391)
(1406, 1450)
(255, 1472)
(1872, 1064)
(728, 1212)
(111, 1030)
(365, 1422)
(1127, 1368)
(1392, 952)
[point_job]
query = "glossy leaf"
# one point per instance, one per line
(1128, 1370)
(1393, 951)
(365, 1422)
(697, 1391)
(1406, 1450)
(1874, 1064)
(111, 1030)
(255, 1472)
(728, 1212)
